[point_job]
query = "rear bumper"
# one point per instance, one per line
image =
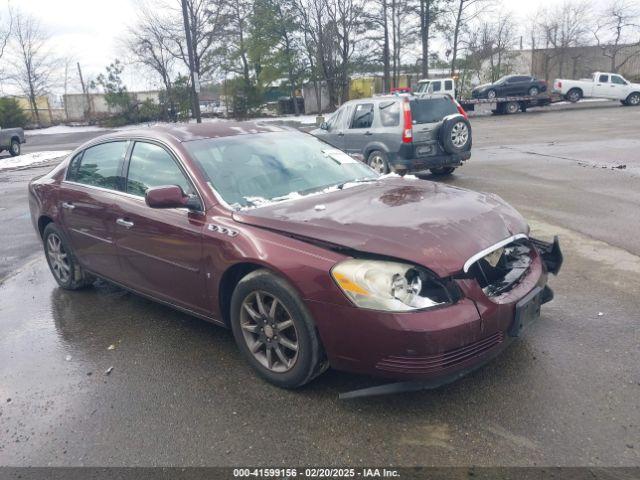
(419, 164)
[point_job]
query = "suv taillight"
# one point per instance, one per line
(460, 109)
(407, 131)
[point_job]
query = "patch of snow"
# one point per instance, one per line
(58, 129)
(29, 159)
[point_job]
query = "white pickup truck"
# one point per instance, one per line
(602, 85)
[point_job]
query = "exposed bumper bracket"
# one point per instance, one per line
(550, 253)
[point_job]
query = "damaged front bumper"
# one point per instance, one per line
(428, 348)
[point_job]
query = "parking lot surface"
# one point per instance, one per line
(179, 393)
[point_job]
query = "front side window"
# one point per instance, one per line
(617, 80)
(363, 116)
(437, 86)
(99, 165)
(603, 78)
(251, 170)
(152, 166)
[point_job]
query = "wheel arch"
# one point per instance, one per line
(372, 147)
(16, 138)
(43, 221)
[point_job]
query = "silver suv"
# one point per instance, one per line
(404, 134)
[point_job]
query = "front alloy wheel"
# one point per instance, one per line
(491, 94)
(14, 149)
(275, 331)
(269, 331)
(633, 99)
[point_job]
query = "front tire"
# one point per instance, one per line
(274, 331)
(14, 149)
(62, 263)
(378, 161)
(491, 94)
(534, 91)
(633, 100)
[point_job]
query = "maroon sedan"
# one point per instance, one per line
(310, 257)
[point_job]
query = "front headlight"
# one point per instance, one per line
(388, 286)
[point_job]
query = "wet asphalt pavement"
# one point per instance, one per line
(568, 393)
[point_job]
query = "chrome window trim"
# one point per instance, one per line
(474, 258)
(133, 140)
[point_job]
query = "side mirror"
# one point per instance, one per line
(170, 196)
(324, 126)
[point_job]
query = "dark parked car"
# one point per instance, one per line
(402, 133)
(510, 86)
(11, 139)
(310, 257)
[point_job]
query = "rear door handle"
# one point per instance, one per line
(124, 223)
(341, 134)
(68, 206)
(368, 133)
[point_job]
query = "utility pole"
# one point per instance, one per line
(195, 81)
(86, 93)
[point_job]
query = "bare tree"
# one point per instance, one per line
(563, 29)
(462, 13)
(5, 33)
(149, 43)
(33, 64)
(618, 32)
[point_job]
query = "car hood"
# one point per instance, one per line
(423, 222)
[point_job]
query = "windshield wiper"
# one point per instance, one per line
(340, 186)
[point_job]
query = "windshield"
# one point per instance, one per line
(502, 80)
(252, 170)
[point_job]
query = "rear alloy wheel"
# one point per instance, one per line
(442, 170)
(14, 149)
(62, 263)
(574, 95)
(274, 331)
(491, 94)
(378, 161)
(633, 100)
(533, 91)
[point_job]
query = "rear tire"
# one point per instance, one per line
(441, 171)
(534, 91)
(378, 161)
(574, 95)
(280, 343)
(633, 100)
(63, 264)
(14, 149)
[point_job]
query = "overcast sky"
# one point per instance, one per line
(90, 30)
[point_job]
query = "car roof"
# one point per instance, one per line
(185, 132)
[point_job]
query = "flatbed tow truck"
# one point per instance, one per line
(500, 106)
(510, 105)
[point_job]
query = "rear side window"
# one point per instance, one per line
(99, 165)
(604, 78)
(431, 110)
(152, 166)
(448, 85)
(363, 116)
(390, 114)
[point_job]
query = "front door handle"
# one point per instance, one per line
(124, 223)
(68, 206)
(368, 133)
(341, 134)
